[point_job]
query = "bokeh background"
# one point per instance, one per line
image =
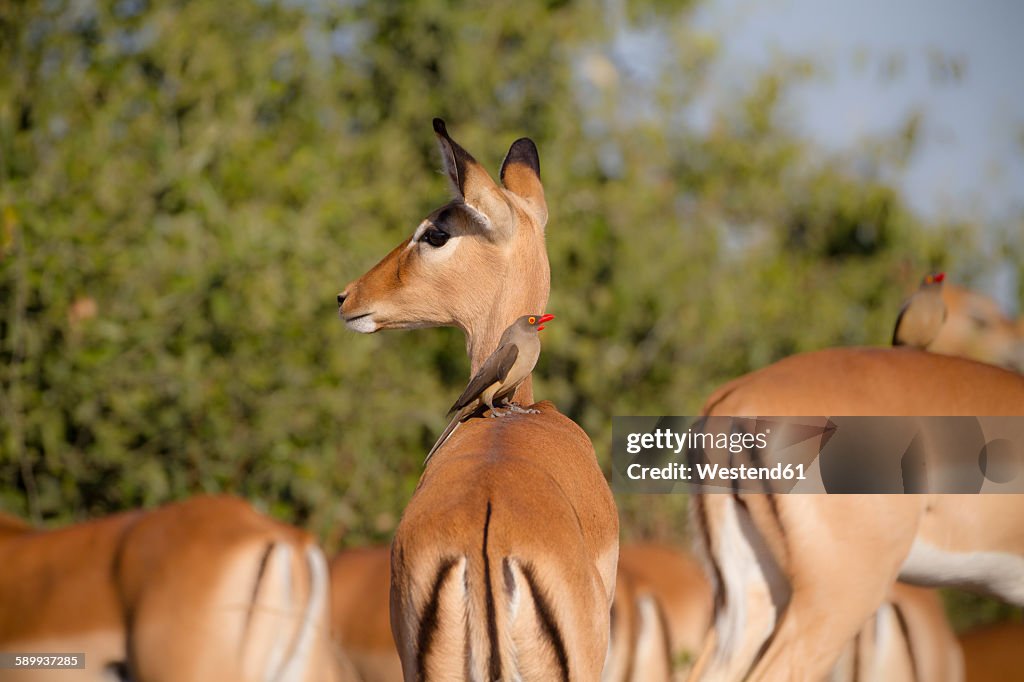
(185, 186)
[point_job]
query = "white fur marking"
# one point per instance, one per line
(296, 667)
(738, 566)
(478, 216)
(648, 640)
(608, 567)
(363, 325)
(516, 597)
(998, 572)
(885, 640)
(282, 570)
(462, 597)
(418, 233)
(435, 255)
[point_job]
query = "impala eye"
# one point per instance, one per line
(435, 237)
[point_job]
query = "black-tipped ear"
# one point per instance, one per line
(470, 182)
(523, 151)
(456, 159)
(520, 173)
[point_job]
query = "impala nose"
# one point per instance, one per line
(341, 298)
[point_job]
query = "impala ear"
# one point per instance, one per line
(470, 182)
(455, 159)
(520, 173)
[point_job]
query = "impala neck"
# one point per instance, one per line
(482, 336)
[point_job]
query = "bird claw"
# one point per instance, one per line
(495, 412)
(512, 407)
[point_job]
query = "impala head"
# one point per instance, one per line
(478, 262)
(977, 328)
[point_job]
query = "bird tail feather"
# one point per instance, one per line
(449, 430)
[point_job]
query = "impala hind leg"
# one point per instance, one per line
(750, 587)
(842, 554)
(809, 640)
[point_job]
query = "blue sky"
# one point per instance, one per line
(970, 160)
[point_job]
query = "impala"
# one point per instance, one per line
(661, 613)
(360, 589)
(976, 328)
(908, 639)
(796, 576)
(503, 565)
(206, 589)
(663, 609)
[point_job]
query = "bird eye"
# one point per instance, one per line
(435, 237)
(532, 320)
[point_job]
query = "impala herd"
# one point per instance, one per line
(506, 564)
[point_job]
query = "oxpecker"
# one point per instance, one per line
(922, 315)
(503, 370)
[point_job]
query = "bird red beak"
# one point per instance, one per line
(939, 277)
(546, 317)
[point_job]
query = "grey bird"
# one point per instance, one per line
(922, 315)
(503, 370)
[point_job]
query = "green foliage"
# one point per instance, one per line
(186, 186)
(969, 611)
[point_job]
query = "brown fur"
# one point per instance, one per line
(360, 582)
(925, 651)
(976, 328)
(843, 552)
(559, 519)
(360, 588)
(663, 610)
(674, 584)
(498, 274)
(908, 639)
(504, 561)
(175, 593)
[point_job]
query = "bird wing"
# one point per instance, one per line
(495, 368)
(920, 315)
(896, 341)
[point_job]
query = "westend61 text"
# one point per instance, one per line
(714, 472)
